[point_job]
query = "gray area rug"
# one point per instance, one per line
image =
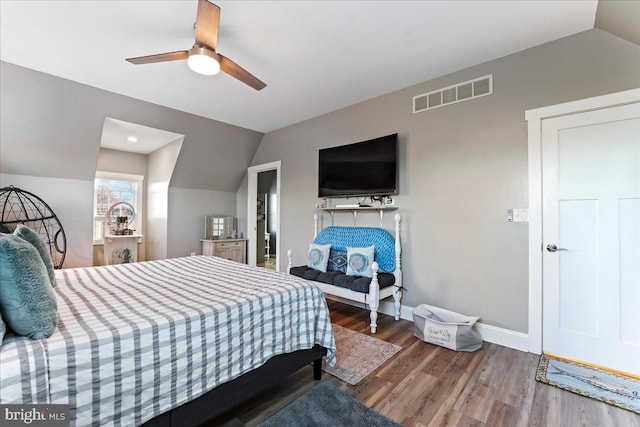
(326, 406)
(357, 355)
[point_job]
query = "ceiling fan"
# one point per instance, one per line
(202, 57)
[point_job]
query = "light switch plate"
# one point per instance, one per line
(521, 215)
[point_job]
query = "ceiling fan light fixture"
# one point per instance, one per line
(202, 57)
(203, 61)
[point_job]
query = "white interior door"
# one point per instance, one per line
(591, 235)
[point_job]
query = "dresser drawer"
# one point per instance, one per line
(222, 253)
(229, 245)
(234, 250)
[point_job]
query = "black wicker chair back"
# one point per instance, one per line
(22, 207)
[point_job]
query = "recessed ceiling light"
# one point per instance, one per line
(132, 139)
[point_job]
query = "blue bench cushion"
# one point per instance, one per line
(358, 237)
(337, 278)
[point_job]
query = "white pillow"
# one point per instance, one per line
(318, 257)
(359, 261)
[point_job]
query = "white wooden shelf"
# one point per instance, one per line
(355, 209)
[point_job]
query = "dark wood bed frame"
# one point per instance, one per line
(227, 395)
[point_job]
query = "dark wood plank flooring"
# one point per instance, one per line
(426, 385)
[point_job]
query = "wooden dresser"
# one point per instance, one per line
(232, 249)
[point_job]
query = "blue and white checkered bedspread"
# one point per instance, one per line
(136, 340)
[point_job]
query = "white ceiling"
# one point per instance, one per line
(315, 56)
(115, 134)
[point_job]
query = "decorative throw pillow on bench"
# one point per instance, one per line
(359, 261)
(318, 257)
(337, 261)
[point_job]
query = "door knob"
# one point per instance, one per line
(554, 248)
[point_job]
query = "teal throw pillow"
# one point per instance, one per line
(43, 248)
(359, 261)
(27, 301)
(318, 257)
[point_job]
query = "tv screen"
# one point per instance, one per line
(367, 168)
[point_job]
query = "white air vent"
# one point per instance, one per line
(452, 94)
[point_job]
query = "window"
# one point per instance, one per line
(110, 188)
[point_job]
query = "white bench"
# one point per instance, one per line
(372, 298)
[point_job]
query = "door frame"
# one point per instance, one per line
(252, 196)
(534, 118)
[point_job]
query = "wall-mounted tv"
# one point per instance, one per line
(368, 168)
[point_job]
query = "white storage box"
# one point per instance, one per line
(446, 328)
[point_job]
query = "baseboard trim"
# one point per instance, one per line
(493, 334)
(504, 337)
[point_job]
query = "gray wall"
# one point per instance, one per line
(461, 168)
(191, 206)
(620, 18)
(161, 165)
(242, 197)
(72, 201)
(121, 162)
(51, 129)
(57, 123)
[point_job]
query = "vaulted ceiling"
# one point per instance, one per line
(315, 56)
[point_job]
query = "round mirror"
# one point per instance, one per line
(119, 216)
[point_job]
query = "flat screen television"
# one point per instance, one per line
(367, 168)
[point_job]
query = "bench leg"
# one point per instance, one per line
(374, 297)
(374, 316)
(396, 296)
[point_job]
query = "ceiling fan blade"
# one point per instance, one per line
(161, 57)
(207, 23)
(234, 70)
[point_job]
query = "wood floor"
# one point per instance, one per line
(269, 263)
(426, 385)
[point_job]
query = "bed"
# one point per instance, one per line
(143, 342)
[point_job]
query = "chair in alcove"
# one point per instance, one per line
(22, 207)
